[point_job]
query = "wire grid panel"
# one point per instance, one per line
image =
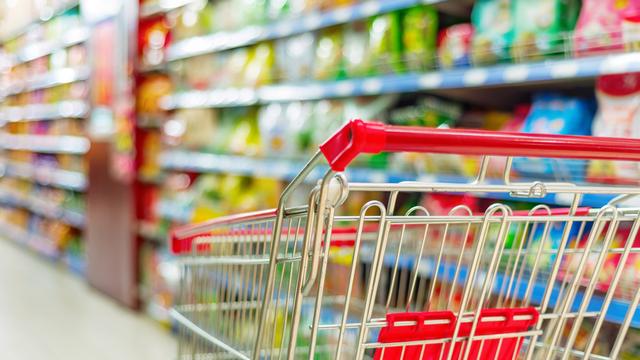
(570, 268)
(224, 286)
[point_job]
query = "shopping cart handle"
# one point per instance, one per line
(359, 137)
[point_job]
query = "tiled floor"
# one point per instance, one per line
(46, 313)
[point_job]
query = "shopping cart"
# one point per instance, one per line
(314, 281)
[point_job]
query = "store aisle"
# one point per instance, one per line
(48, 313)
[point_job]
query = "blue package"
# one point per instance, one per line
(557, 114)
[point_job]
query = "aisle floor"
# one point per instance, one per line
(48, 313)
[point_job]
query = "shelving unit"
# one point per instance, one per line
(44, 147)
(511, 75)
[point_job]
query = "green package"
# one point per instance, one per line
(419, 36)
(385, 41)
(328, 59)
(493, 24)
(541, 26)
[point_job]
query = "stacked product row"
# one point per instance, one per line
(44, 102)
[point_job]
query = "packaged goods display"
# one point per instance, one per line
(44, 98)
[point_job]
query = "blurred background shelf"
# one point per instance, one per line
(44, 208)
(49, 79)
(55, 144)
(33, 51)
(46, 175)
(34, 242)
(288, 27)
(37, 112)
(471, 80)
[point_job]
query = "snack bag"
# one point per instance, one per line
(328, 55)
(385, 39)
(540, 27)
(294, 57)
(631, 26)
(599, 27)
(258, 70)
(618, 116)
(493, 23)
(419, 33)
(557, 114)
(454, 46)
(245, 136)
(192, 128)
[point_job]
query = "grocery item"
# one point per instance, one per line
(494, 24)
(428, 111)
(328, 56)
(259, 67)
(631, 26)
(385, 40)
(618, 116)
(454, 46)
(294, 57)
(540, 27)
(192, 128)
(153, 36)
(557, 114)
(150, 90)
(599, 27)
(419, 27)
(357, 49)
(273, 129)
(195, 19)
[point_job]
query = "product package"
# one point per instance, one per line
(294, 57)
(419, 26)
(454, 46)
(357, 50)
(557, 114)
(540, 27)
(618, 116)
(599, 27)
(328, 56)
(493, 36)
(631, 26)
(385, 40)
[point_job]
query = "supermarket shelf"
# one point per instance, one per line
(154, 8)
(43, 208)
(35, 242)
(50, 79)
(221, 41)
(62, 9)
(211, 99)
(284, 169)
(481, 77)
(616, 312)
(278, 168)
(33, 51)
(62, 109)
(55, 144)
(46, 175)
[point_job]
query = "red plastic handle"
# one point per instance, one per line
(359, 137)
